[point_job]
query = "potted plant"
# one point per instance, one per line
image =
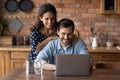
(3, 26)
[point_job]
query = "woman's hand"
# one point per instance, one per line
(41, 45)
(75, 39)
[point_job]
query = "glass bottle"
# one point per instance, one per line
(29, 65)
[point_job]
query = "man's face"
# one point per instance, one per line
(65, 35)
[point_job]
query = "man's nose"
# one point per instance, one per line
(66, 36)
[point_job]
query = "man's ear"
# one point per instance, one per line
(58, 32)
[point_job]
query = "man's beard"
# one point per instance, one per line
(66, 42)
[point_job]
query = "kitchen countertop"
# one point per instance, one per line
(97, 74)
(104, 49)
(14, 48)
(27, 48)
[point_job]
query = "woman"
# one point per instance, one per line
(44, 29)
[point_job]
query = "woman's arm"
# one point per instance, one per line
(33, 40)
(43, 43)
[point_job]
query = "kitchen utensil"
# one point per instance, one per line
(16, 25)
(109, 44)
(94, 42)
(92, 30)
(25, 5)
(88, 41)
(11, 5)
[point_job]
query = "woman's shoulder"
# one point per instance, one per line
(36, 31)
(79, 41)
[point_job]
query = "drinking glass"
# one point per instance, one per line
(38, 67)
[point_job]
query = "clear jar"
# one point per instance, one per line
(38, 67)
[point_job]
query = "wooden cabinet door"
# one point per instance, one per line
(4, 63)
(18, 58)
(2, 66)
(17, 63)
(106, 60)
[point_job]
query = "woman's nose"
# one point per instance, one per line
(50, 21)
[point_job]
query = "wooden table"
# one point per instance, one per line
(97, 74)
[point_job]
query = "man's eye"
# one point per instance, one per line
(63, 33)
(70, 34)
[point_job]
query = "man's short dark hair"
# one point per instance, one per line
(65, 23)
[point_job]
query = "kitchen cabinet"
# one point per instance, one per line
(106, 60)
(105, 57)
(12, 57)
(18, 58)
(109, 6)
(4, 63)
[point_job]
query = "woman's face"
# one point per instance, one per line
(48, 19)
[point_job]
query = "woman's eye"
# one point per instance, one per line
(46, 19)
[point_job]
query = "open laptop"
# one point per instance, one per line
(72, 64)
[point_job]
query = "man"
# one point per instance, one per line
(61, 45)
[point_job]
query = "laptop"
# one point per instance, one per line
(72, 64)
